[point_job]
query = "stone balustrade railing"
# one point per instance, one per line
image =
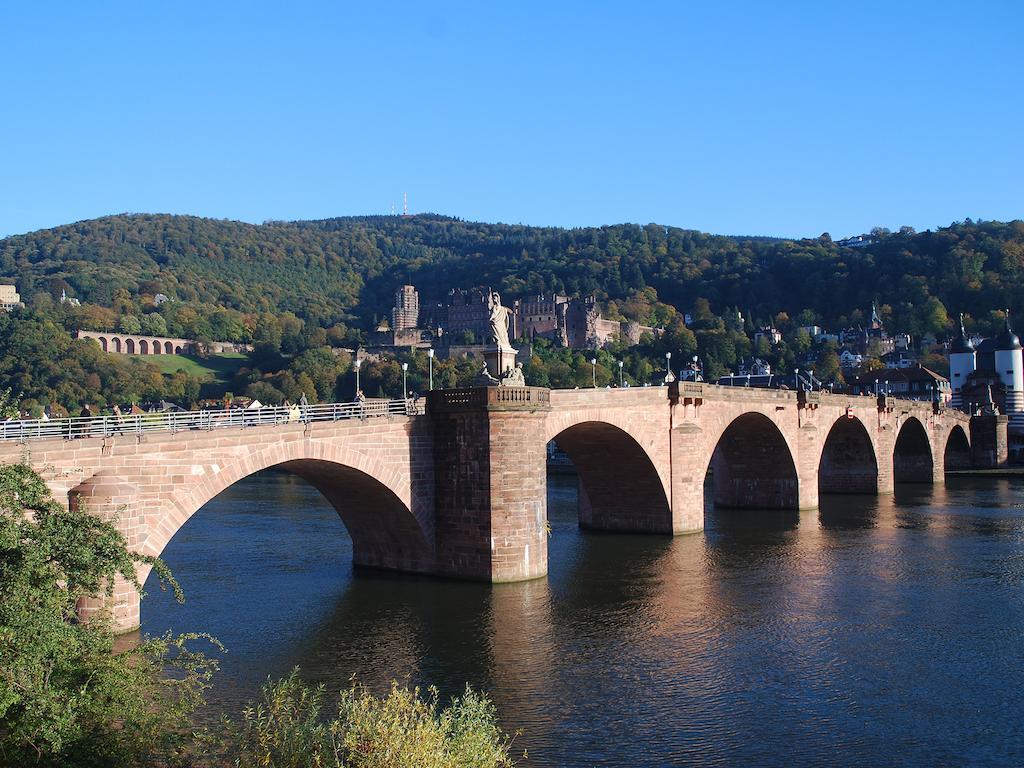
(180, 421)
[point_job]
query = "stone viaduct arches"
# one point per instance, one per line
(912, 460)
(389, 529)
(849, 458)
(132, 344)
(461, 491)
(956, 453)
(752, 465)
(782, 449)
(620, 485)
(377, 473)
(751, 446)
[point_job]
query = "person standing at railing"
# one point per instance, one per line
(85, 426)
(361, 402)
(304, 408)
(118, 419)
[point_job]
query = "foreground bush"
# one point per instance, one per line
(400, 730)
(68, 696)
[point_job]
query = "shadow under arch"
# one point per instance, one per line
(619, 486)
(384, 531)
(752, 466)
(848, 463)
(957, 453)
(912, 456)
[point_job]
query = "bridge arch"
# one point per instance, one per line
(619, 485)
(376, 505)
(103, 342)
(957, 452)
(848, 462)
(143, 347)
(752, 465)
(129, 346)
(912, 460)
(168, 348)
(156, 346)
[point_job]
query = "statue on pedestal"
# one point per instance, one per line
(499, 321)
(502, 359)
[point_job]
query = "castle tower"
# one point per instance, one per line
(1010, 367)
(962, 363)
(405, 316)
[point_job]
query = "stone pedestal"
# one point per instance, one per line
(500, 360)
(490, 482)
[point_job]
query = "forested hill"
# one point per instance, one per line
(345, 268)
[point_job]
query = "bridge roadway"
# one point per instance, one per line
(460, 490)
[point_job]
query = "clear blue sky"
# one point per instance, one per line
(779, 118)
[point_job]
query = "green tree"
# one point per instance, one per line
(153, 324)
(129, 324)
(68, 696)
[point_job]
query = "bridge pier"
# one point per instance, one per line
(686, 456)
(490, 482)
(113, 499)
(806, 469)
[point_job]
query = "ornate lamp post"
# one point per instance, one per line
(430, 363)
(593, 370)
(405, 381)
(668, 367)
(358, 364)
(620, 374)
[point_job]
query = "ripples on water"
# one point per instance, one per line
(875, 631)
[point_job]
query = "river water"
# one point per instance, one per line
(874, 631)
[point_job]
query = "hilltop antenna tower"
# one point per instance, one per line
(405, 203)
(392, 209)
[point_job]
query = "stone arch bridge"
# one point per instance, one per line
(460, 490)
